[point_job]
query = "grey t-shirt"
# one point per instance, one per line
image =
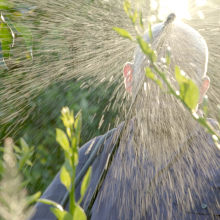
(128, 192)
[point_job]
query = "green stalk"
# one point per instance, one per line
(72, 189)
(204, 123)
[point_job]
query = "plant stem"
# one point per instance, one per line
(72, 190)
(204, 123)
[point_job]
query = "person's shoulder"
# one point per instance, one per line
(87, 148)
(108, 138)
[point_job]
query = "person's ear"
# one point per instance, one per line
(127, 73)
(204, 88)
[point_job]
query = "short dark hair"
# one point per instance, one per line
(188, 51)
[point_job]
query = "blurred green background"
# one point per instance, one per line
(78, 61)
(32, 111)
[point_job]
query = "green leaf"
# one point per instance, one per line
(78, 126)
(25, 8)
(141, 20)
(179, 77)
(6, 39)
(134, 17)
(150, 32)
(61, 214)
(17, 149)
(24, 145)
(11, 25)
(79, 214)
(65, 178)
(123, 33)
(6, 5)
(62, 139)
(2, 149)
(78, 123)
(28, 162)
(23, 160)
(85, 183)
(2, 61)
(189, 93)
(27, 36)
(23, 184)
(68, 167)
(3, 18)
(159, 83)
(2, 167)
(15, 14)
(127, 7)
(33, 198)
(149, 73)
(71, 118)
(146, 49)
(76, 159)
(65, 121)
(50, 202)
(74, 146)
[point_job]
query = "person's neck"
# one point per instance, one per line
(161, 145)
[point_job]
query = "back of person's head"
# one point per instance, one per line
(187, 48)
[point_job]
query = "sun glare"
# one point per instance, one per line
(200, 2)
(180, 8)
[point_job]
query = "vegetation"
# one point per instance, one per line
(36, 114)
(69, 142)
(188, 92)
(11, 28)
(44, 106)
(14, 202)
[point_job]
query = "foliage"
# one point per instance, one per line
(39, 131)
(69, 142)
(14, 202)
(189, 92)
(30, 108)
(11, 27)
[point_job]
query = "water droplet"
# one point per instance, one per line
(214, 137)
(204, 206)
(163, 60)
(195, 115)
(153, 5)
(201, 15)
(183, 73)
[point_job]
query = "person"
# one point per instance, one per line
(166, 166)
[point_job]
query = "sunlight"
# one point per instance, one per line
(200, 2)
(180, 8)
